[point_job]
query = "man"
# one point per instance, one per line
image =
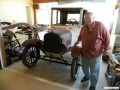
(95, 41)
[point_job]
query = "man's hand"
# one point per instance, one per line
(75, 44)
(106, 52)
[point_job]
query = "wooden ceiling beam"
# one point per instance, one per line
(44, 1)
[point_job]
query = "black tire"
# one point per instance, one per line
(75, 67)
(30, 55)
(20, 56)
(9, 60)
(108, 71)
(105, 58)
(106, 75)
(117, 84)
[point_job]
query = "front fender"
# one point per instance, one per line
(32, 41)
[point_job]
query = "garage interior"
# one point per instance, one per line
(49, 75)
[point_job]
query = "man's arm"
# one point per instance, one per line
(106, 40)
(79, 39)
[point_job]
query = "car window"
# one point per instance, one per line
(75, 16)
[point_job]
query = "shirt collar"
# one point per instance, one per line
(93, 25)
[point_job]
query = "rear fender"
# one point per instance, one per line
(36, 42)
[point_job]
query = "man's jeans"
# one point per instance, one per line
(91, 68)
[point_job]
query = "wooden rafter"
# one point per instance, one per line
(44, 1)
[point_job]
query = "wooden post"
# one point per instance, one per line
(35, 11)
(35, 14)
(2, 51)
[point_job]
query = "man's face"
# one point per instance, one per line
(89, 19)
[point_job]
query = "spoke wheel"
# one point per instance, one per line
(75, 68)
(30, 55)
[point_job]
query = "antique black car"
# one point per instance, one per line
(64, 29)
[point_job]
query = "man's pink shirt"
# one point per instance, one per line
(94, 42)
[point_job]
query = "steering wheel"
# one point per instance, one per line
(72, 21)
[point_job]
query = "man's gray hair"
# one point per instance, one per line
(91, 13)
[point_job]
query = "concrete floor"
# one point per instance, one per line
(45, 77)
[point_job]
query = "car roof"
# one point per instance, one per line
(68, 9)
